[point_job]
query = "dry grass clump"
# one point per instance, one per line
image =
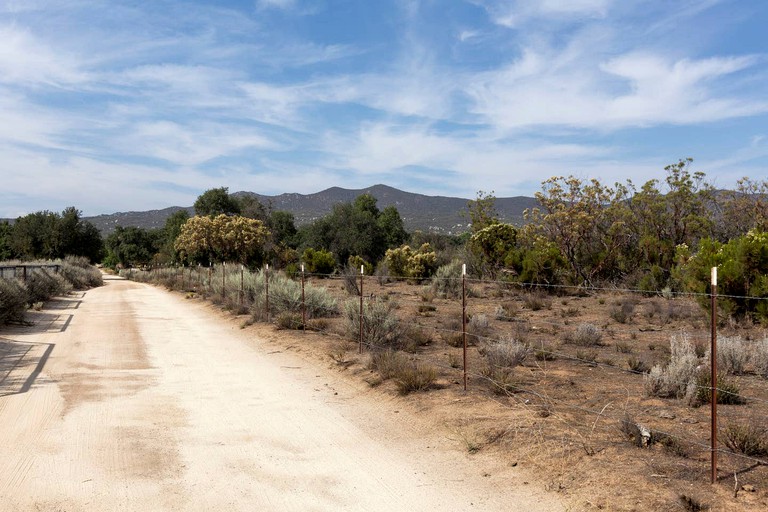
(624, 311)
(289, 320)
(504, 354)
(747, 438)
(733, 354)
(585, 335)
(536, 301)
(408, 375)
(478, 329)
(760, 358)
(382, 328)
(727, 390)
(678, 378)
(446, 283)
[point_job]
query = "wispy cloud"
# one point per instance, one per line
(296, 95)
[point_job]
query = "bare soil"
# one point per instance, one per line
(128, 397)
(562, 416)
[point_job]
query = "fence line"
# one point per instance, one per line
(247, 302)
(23, 272)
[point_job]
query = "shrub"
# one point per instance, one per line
(447, 281)
(479, 327)
(350, 276)
(637, 365)
(727, 391)
(678, 378)
(416, 337)
(405, 262)
(388, 363)
(506, 311)
(318, 261)
(742, 278)
(733, 354)
(415, 377)
(585, 335)
(41, 285)
(745, 438)
(760, 357)
(289, 320)
(13, 301)
(536, 301)
(79, 276)
(504, 355)
(587, 356)
(623, 312)
(381, 327)
(285, 295)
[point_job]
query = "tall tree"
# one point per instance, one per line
(216, 201)
(482, 211)
(131, 246)
(586, 221)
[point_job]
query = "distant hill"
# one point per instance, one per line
(426, 213)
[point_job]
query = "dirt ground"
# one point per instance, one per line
(128, 397)
(562, 414)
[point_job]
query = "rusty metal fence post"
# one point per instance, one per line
(713, 376)
(464, 318)
(303, 304)
(266, 292)
(362, 272)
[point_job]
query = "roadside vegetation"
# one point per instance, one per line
(44, 281)
(587, 327)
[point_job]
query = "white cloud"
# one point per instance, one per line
(515, 13)
(25, 59)
(635, 89)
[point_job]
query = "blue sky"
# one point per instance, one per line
(117, 105)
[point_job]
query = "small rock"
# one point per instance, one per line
(667, 415)
(748, 488)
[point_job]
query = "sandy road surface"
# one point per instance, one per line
(127, 397)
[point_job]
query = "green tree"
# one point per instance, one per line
(664, 217)
(482, 211)
(743, 209)
(131, 246)
(318, 262)
(391, 224)
(282, 225)
(355, 229)
(216, 201)
(170, 232)
(51, 235)
(587, 222)
(495, 246)
(6, 232)
(742, 274)
(252, 208)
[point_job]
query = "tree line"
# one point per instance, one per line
(660, 235)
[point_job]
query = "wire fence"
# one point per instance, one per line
(24, 272)
(595, 381)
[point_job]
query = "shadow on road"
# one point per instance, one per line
(21, 364)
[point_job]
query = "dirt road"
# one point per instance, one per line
(127, 397)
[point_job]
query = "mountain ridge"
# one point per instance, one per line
(440, 214)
